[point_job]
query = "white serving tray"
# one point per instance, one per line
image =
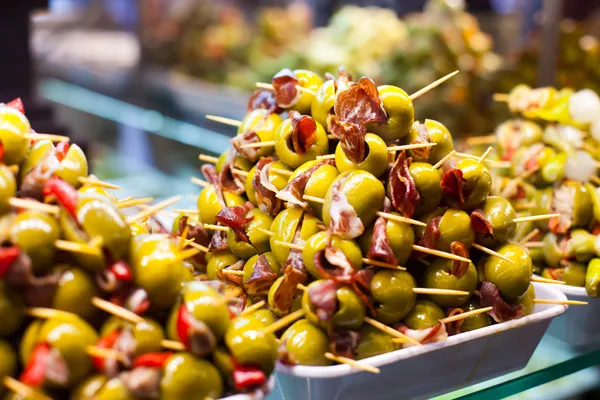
(431, 369)
(580, 326)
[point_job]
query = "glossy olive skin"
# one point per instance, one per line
(264, 124)
(114, 389)
(581, 245)
(249, 344)
(264, 316)
(401, 114)
(13, 128)
(595, 197)
(209, 206)
(284, 228)
(476, 321)
(71, 336)
(543, 205)
(259, 241)
(423, 315)
(276, 178)
(35, 232)
(517, 132)
(188, 377)
(224, 363)
(296, 303)
(439, 134)
(553, 254)
(375, 161)
(87, 389)
(218, 261)
(239, 162)
(527, 300)
(306, 344)
(74, 291)
(156, 270)
(350, 312)
(401, 237)
(392, 290)
(512, 279)
(11, 308)
(427, 181)
(365, 193)
(318, 242)
(501, 214)
(8, 366)
(373, 342)
(308, 80)
(592, 278)
(323, 102)
(318, 183)
(438, 275)
(477, 184)
(572, 273)
(8, 188)
(455, 226)
(582, 202)
(73, 166)
(249, 269)
(287, 154)
(97, 216)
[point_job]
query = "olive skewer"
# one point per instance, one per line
(22, 390)
(93, 181)
(30, 204)
(214, 160)
(153, 209)
(131, 202)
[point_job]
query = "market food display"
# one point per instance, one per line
(551, 146)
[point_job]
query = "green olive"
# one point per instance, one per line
(35, 232)
(438, 275)
(239, 162)
(114, 389)
(476, 183)
(553, 254)
(527, 300)
(157, 270)
(554, 170)
(376, 157)
(393, 292)
(364, 192)
(455, 226)
(373, 342)
(401, 114)
(13, 128)
(218, 261)
(516, 133)
(209, 205)
(224, 363)
(306, 344)
(592, 278)
(595, 197)
(573, 274)
(8, 188)
(423, 315)
(188, 377)
(148, 336)
(476, 321)
(511, 278)
(11, 309)
(264, 316)
(427, 181)
(308, 80)
(500, 214)
(581, 245)
(582, 203)
(296, 302)
(206, 304)
(87, 389)
(319, 241)
(543, 205)
(264, 124)
(8, 366)
(323, 102)
(249, 270)
(259, 241)
(350, 313)
(284, 228)
(250, 344)
(318, 183)
(276, 178)
(438, 134)
(75, 291)
(401, 237)
(285, 151)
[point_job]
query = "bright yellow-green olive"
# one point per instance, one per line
(98, 190)
(323, 102)
(306, 344)
(87, 389)
(284, 228)
(438, 134)
(401, 237)
(581, 245)
(218, 261)
(209, 205)
(364, 192)
(13, 128)
(543, 205)
(250, 344)
(188, 377)
(8, 188)
(427, 181)
(439, 275)
(276, 178)
(455, 226)
(259, 241)
(308, 80)
(401, 114)
(11, 308)
(582, 203)
(516, 133)
(554, 169)
(376, 157)
(592, 278)
(318, 183)
(553, 254)
(476, 321)
(476, 185)
(264, 316)
(74, 291)
(595, 197)
(393, 294)
(274, 306)
(511, 278)
(373, 342)
(260, 287)
(350, 313)
(264, 124)
(239, 162)
(319, 241)
(35, 232)
(113, 389)
(500, 214)
(423, 315)
(285, 150)
(157, 270)
(527, 300)
(572, 273)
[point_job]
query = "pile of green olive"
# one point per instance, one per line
(552, 155)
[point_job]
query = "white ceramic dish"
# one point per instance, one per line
(580, 326)
(432, 369)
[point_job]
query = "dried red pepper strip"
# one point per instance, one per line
(183, 324)
(121, 270)
(61, 150)
(65, 194)
(35, 371)
(247, 377)
(17, 104)
(156, 360)
(105, 342)
(7, 256)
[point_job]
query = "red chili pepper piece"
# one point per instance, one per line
(183, 324)
(122, 271)
(106, 342)
(17, 104)
(1, 151)
(61, 150)
(152, 359)
(247, 377)
(7, 256)
(35, 371)
(65, 194)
